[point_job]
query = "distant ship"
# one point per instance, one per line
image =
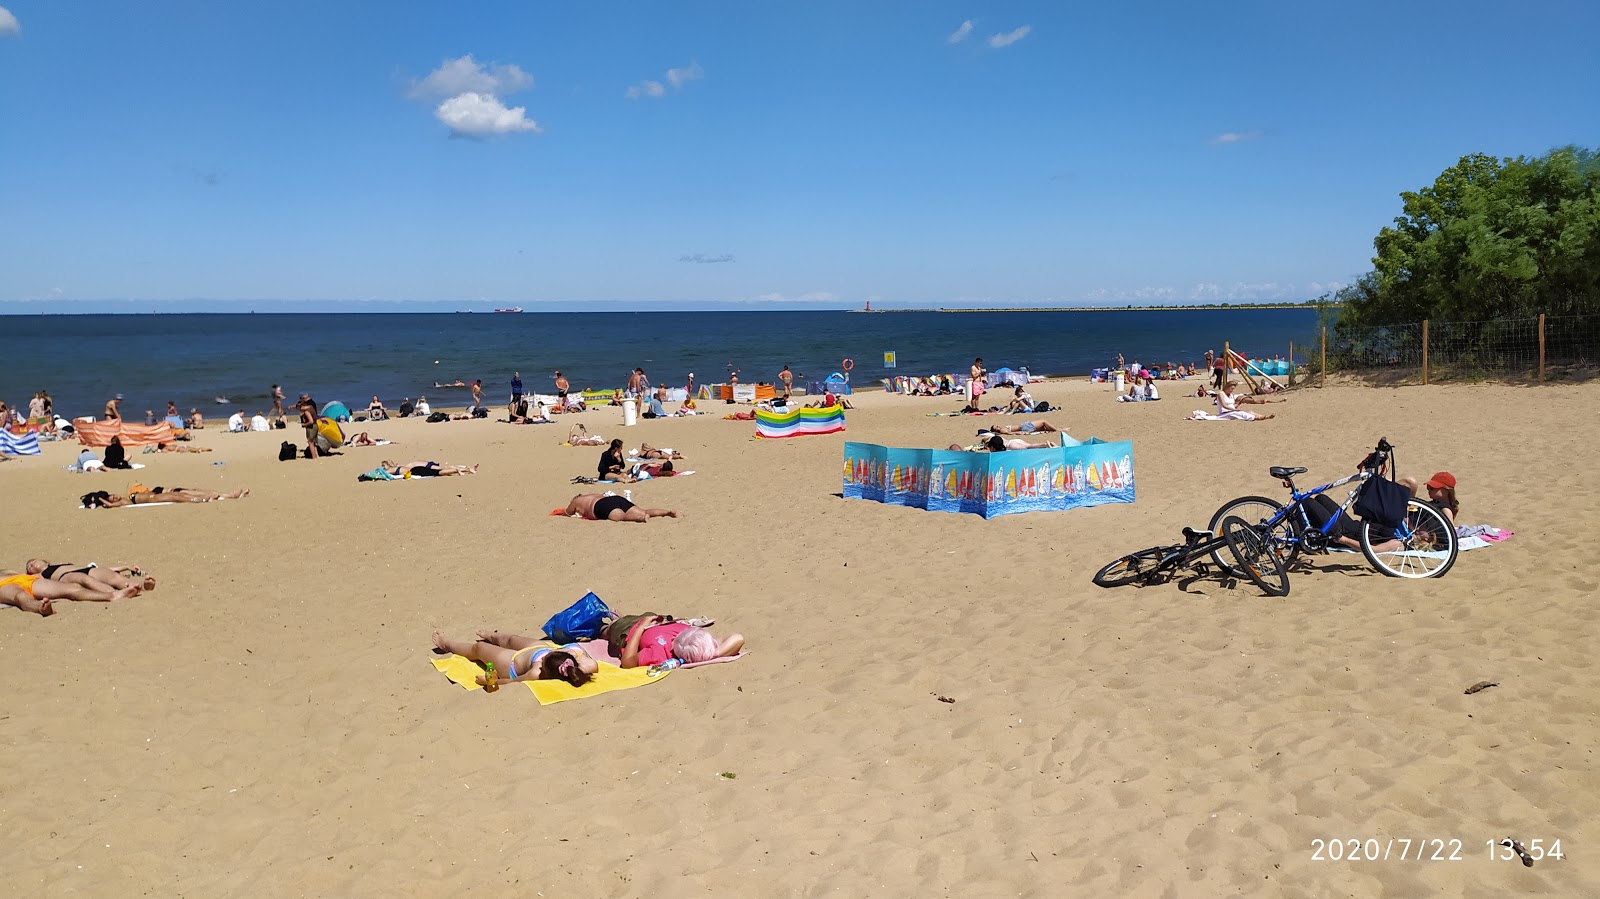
(512, 309)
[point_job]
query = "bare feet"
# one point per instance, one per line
(127, 592)
(441, 643)
(41, 607)
(149, 582)
(237, 494)
(473, 470)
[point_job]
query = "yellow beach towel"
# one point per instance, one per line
(465, 672)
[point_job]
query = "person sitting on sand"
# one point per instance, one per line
(596, 507)
(1032, 426)
(32, 593)
(518, 658)
(375, 410)
(116, 456)
(236, 423)
(99, 577)
(646, 451)
(196, 421)
(613, 466)
(639, 641)
(100, 499)
(1228, 404)
(1441, 494)
(1021, 401)
(420, 469)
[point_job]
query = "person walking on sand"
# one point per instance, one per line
(114, 408)
(477, 393)
(277, 402)
(308, 420)
(1219, 369)
(787, 377)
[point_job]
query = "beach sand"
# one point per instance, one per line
(267, 722)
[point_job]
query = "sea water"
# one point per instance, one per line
(194, 359)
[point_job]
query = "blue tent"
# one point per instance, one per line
(837, 383)
(337, 411)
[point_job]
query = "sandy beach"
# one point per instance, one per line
(267, 721)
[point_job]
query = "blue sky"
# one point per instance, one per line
(567, 155)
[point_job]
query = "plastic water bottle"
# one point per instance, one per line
(661, 668)
(489, 682)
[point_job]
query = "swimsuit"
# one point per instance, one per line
(49, 573)
(23, 581)
(1027, 427)
(606, 504)
(536, 655)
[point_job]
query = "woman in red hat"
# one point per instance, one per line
(1441, 493)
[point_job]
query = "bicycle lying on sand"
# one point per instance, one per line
(1415, 540)
(1254, 558)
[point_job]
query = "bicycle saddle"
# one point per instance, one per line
(1282, 474)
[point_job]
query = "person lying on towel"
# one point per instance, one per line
(519, 658)
(650, 639)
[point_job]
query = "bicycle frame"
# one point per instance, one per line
(1297, 505)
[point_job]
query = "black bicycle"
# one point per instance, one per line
(1254, 557)
(1418, 543)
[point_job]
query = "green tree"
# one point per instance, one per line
(1490, 238)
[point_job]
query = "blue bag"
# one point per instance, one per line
(581, 620)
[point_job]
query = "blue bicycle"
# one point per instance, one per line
(1420, 543)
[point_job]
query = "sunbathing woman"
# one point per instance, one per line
(580, 436)
(644, 640)
(646, 451)
(174, 448)
(32, 593)
(100, 499)
(107, 577)
(421, 469)
(1036, 426)
(518, 658)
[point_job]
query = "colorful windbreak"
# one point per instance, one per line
(801, 422)
(989, 484)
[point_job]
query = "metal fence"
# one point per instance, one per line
(1544, 349)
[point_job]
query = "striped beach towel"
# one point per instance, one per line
(19, 445)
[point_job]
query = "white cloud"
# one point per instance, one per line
(647, 89)
(465, 75)
(821, 296)
(960, 34)
(9, 25)
(690, 72)
(476, 115)
(1010, 37)
(773, 298)
(1234, 137)
(675, 77)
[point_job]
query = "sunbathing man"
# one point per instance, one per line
(173, 448)
(32, 593)
(1034, 426)
(644, 640)
(107, 577)
(100, 499)
(595, 507)
(420, 469)
(361, 439)
(518, 658)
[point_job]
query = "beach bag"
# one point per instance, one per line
(1042, 407)
(581, 620)
(1382, 502)
(480, 412)
(438, 417)
(286, 452)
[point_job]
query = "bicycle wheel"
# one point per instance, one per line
(1130, 569)
(1256, 555)
(1425, 546)
(1256, 510)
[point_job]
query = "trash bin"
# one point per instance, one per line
(630, 412)
(1120, 381)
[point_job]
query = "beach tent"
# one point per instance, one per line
(99, 433)
(836, 383)
(802, 422)
(1076, 474)
(337, 411)
(19, 444)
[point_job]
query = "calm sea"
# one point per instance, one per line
(84, 360)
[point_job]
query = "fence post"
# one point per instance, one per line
(1424, 351)
(1322, 375)
(1227, 364)
(1291, 363)
(1541, 348)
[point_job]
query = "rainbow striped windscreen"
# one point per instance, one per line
(800, 423)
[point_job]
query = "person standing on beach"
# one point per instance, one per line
(308, 420)
(1219, 369)
(562, 386)
(113, 408)
(277, 402)
(689, 388)
(975, 385)
(516, 389)
(477, 393)
(787, 377)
